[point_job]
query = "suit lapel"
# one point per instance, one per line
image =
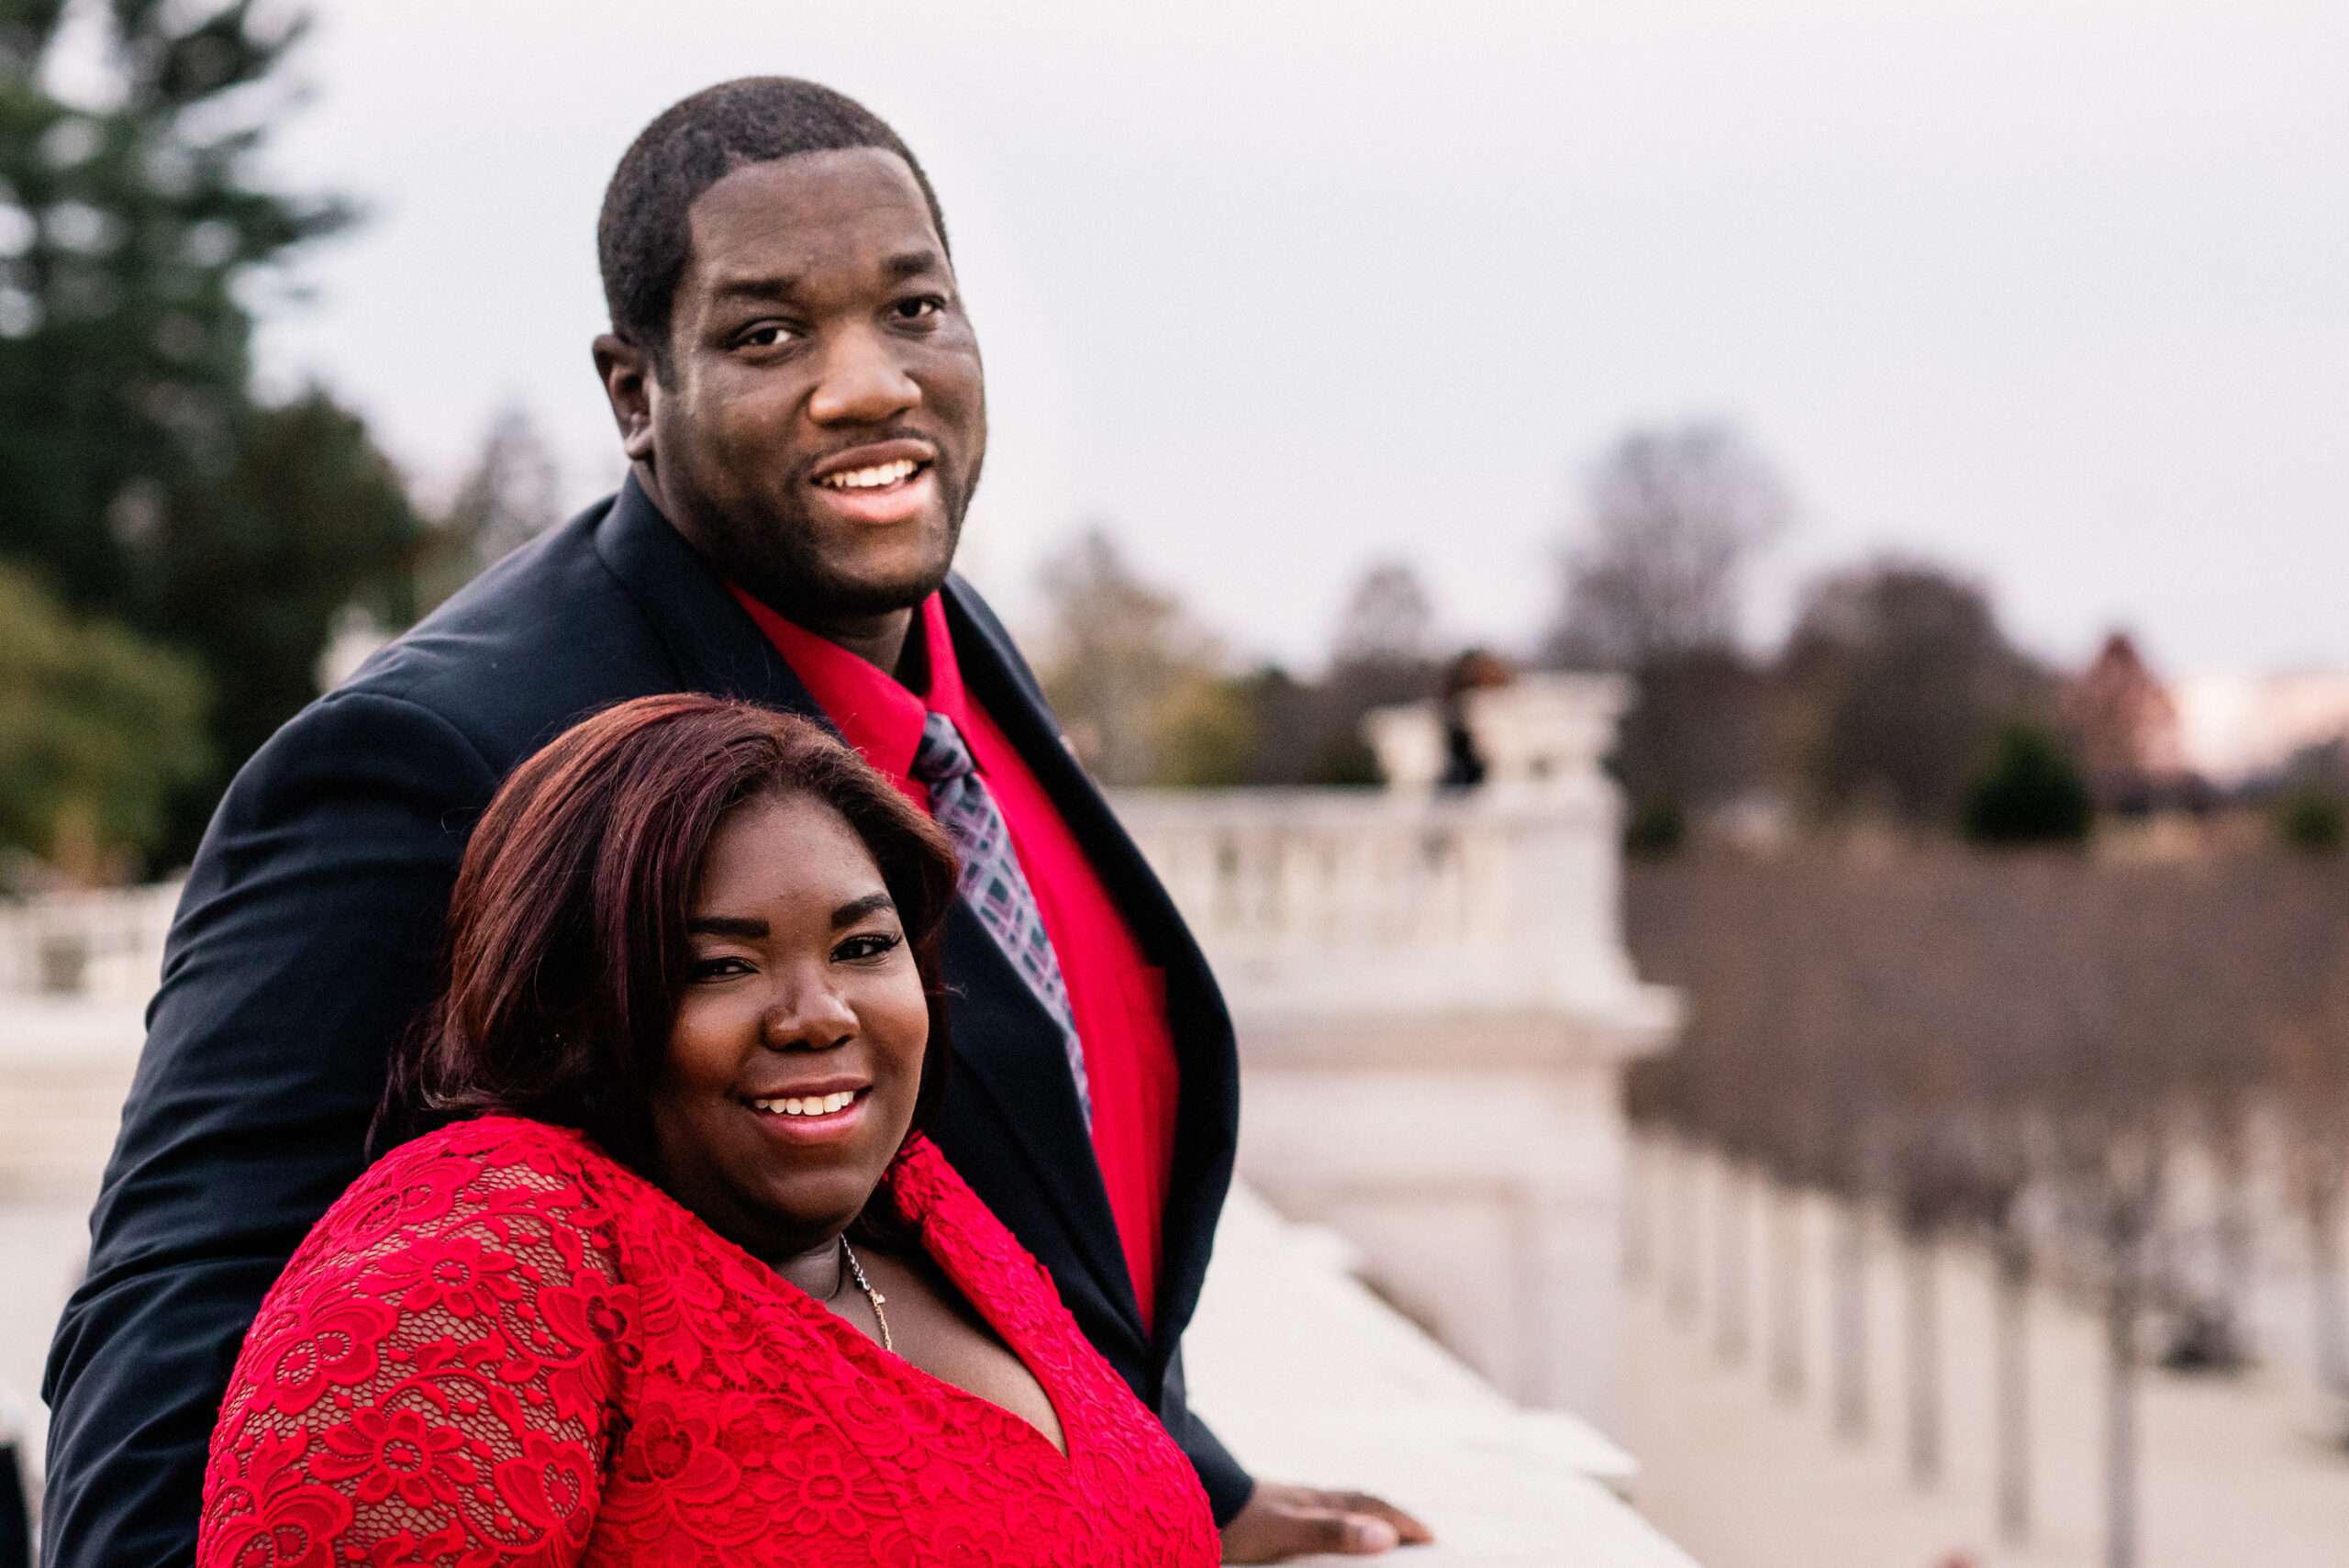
(1007, 1047)
(1208, 1114)
(716, 647)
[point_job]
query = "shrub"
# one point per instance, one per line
(1657, 827)
(2311, 819)
(2026, 791)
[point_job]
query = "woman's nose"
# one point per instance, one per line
(811, 1016)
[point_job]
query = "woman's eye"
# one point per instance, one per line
(715, 968)
(870, 945)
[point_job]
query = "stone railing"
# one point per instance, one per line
(104, 946)
(1434, 1006)
(1318, 902)
(1311, 1378)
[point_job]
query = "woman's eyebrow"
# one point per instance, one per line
(856, 909)
(749, 928)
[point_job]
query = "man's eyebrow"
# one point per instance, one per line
(749, 928)
(782, 286)
(856, 909)
(910, 264)
(895, 269)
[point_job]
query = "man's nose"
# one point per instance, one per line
(862, 382)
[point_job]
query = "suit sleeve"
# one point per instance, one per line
(1227, 1484)
(305, 944)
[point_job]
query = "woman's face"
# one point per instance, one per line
(797, 1053)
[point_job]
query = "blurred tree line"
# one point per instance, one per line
(175, 549)
(1149, 696)
(1896, 698)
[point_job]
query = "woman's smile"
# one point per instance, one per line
(813, 1114)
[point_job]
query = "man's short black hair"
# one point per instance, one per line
(643, 239)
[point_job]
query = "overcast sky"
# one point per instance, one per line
(2056, 292)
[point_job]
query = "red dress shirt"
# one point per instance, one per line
(502, 1346)
(1118, 997)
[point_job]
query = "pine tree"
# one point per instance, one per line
(139, 479)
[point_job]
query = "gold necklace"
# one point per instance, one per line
(871, 1294)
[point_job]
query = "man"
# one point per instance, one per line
(800, 398)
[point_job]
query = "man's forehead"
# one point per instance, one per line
(862, 198)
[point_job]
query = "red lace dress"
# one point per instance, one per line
(501, 1346)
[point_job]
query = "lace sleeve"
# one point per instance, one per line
(433, 1378)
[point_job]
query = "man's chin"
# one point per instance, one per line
(814, 585)
(815, 595)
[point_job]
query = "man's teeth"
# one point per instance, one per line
(813, 1104)
(872, 478)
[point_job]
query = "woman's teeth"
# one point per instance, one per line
(813, 1104)
(871, 478)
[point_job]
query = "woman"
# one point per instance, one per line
(681, 1282)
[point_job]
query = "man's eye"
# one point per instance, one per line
(767, 337)
(870, 945)
(919, 307)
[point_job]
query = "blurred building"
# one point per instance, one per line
(2123, 727)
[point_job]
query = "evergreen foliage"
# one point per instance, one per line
(2027, 791)
(99, 728)
(2312, 819)
(1656, 828)
(139, 479)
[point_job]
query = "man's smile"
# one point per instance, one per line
(872, 478)
(880, 482)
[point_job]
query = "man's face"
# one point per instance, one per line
(822, 419)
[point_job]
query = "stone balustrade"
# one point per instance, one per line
(1434, 1006)
(104, 945)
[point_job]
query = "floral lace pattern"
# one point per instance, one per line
(501, 1346)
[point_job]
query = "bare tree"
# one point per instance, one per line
(1390, 618)
(512, 494)
(1674, 516)
(1138, 683)
(1895, 677)
(1733, 1290)
(1788, 1262)
(2056, 1023)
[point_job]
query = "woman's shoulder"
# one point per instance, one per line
(487, 1167)
(961, 1231)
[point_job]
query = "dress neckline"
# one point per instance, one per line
(852, 1344)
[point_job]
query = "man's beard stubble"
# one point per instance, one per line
(779, 565)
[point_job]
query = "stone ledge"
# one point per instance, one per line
(1311, 1378)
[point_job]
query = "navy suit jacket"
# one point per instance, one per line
(306, 941)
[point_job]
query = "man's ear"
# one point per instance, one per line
(627, 373)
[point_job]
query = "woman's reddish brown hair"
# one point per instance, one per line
(565, 955)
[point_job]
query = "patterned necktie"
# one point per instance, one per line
(993, 883)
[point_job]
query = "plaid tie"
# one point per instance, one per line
(993, 883)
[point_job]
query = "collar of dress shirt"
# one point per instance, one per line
(874, 714)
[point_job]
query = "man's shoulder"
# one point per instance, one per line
(543, 637)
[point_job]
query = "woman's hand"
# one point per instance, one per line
(1280, 1521)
